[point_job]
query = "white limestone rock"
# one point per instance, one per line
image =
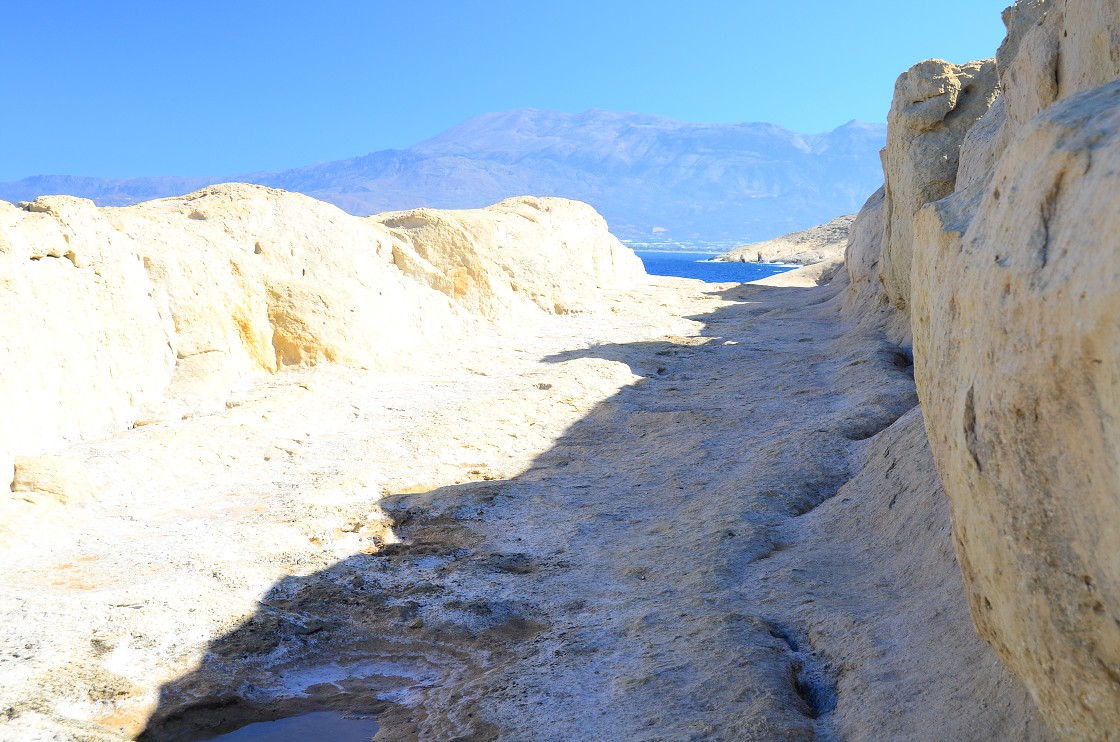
(820, 244)
(862, 251)
(84, 345)
(136, 315)
(522, 254)
(1016, 345)
(1055, 49)
(1006, 260)
(935, 104)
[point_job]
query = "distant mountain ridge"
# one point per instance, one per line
(648, 175)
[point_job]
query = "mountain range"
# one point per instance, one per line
(653, 178)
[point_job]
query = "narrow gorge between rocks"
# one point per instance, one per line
(732, 539)
(474, 475)
(649, 572)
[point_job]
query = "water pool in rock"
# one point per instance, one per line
(320, 725)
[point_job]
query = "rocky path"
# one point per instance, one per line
(599, 529)
(607, 591)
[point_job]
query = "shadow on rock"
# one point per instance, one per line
(597, 594)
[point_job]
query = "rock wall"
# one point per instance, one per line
(1018, 344)
(999, 249)
(935, 104)
(125, 316)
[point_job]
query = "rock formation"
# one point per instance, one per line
(935, 104)
(153, 312)
(537, 565)
(517, 256)
(1022, 414)
(821, 244)
(999, 248)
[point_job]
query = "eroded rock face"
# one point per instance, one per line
(999, 242)
(155, 312)
(515, 255)
(268, 279)
(935, 104)
(1055, 49)
(74, 297)
(1015, 329)
(864, 300)
(865, 240)
(1016, 347)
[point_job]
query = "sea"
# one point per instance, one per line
(695, 260)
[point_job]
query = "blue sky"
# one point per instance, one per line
(126, 88)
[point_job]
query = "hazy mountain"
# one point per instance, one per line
(644, 173)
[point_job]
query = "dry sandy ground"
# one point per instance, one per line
(605, 526)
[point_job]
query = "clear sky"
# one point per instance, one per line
(148, 87)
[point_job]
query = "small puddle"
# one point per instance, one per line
(321, 725)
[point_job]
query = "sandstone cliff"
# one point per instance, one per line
(998, 247)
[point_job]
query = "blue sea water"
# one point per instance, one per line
(700, 265)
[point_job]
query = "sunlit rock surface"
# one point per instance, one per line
(1016, 345)
(935, 104)
(821, 244)
(155, 312)
(1003, 265)
(520, 255)
(553, 498)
